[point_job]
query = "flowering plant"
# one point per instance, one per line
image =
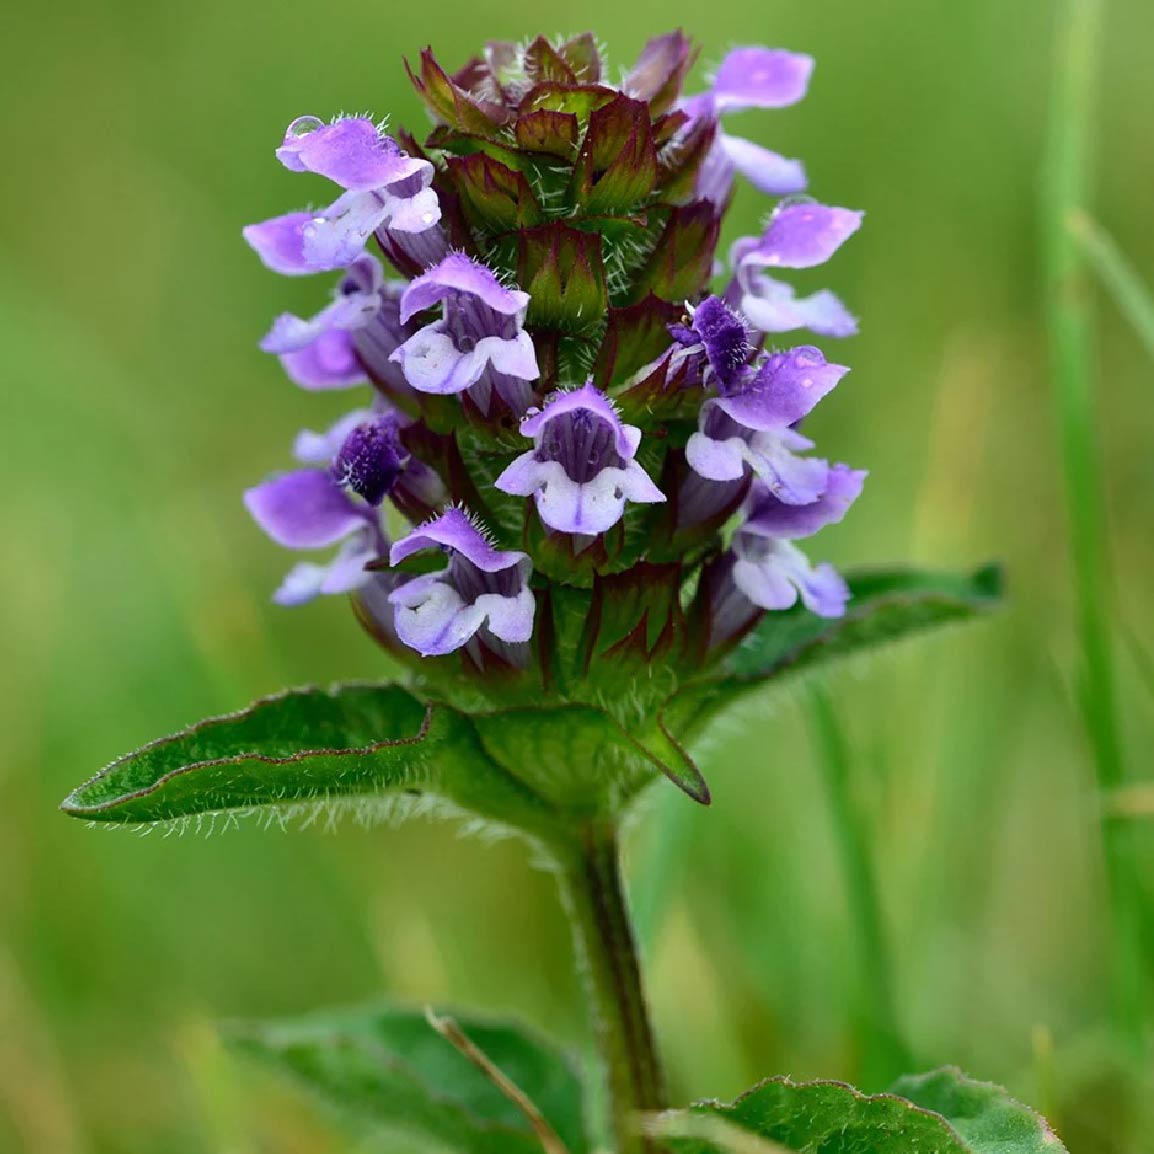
(602, 478)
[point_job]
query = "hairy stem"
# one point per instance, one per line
(590, 877)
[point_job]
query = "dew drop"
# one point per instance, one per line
(303, 125)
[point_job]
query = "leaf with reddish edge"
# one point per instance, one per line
(561, 270)
(616, 169)
(543, 64)
(583, 57)
(554, 133)
(582, 100)
(680, 161)
(451, 104)
(349, 744)
(636, 336)
(493, 198)
(681, 265)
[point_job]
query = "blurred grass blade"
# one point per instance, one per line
(884, 1052)
(1070, 324)
(303, 751)
(387, 1070)
(1133, 298)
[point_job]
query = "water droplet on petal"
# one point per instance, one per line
(303, 125)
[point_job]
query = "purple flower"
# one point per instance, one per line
(581, 469)
(384, 188)
(312, 508)
(718, 331)
(750, 77)
(751, 427)
(479, 343)
(307, 509)
(482, 592)
(800, 234)
(773, 572)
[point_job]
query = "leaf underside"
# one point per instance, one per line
(386, 1069)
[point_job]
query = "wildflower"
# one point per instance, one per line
(310, 509)
(751, 429)
(482, 592)
(581, 469)
(350, 339)
(749, 77)
(384, 188)
(478, 345)
(721, 334)
(798, 235)
(773, 572)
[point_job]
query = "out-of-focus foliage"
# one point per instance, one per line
(133, 590)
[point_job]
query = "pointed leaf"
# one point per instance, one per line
(637, 335)
(583, 57)
(682, 263)
(617, 167)
(493, 197)
(560, 267)
(833, 1118)
(449, 103)
(351, 744)
(387, 1069)
(886, 605)
(556, 133)
(543, 64)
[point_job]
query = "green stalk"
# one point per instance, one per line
(1133, 298)
(590, 876)
(885, 1053)
(1070, 326)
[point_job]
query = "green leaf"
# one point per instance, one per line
(351, 744)
(388, 1069)
(986, 1118)
(947, 1113)
(886, 606)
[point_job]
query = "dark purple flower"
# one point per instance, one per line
(750, 77)
(722, 334)
(751, 428)
(307, 509)
(478, 345)
(800, 234)
(371, 458)
(482, 592)
(581, 470)
(384, 188)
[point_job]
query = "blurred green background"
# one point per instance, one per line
(134, 591)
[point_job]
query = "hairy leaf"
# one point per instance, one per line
(886, 606)
(946, 1113)
(309, 746)
(388, 1069)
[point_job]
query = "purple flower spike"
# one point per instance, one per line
(773, 573)
(751, 428)
(755, 77)
(722, 334)
(482, 593)
(478, 344)
(581, 470)
(384, 188)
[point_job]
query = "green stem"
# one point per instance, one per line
(1071, 346)
(590, 876)
(886, 1055)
